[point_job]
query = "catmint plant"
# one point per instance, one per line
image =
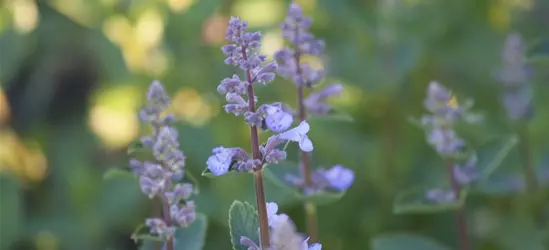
(239, 93)
(517, 97)
(295, 30)
(460, 162)
(161, 179)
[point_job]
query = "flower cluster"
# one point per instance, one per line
(515, 78)
(156, 178)
(445, 113)
(283, 233)
(242, 101)
(295, 30)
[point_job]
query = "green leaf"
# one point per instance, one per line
(10, 205)
(243, 221)
(190, 238)
(334, 115)
(492, 154)
(414, 201)
(208, 174)
(113, 173)
(275, 175)
(406, 241)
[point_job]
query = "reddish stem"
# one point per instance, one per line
(258, 174)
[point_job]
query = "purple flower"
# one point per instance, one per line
(466, 173)
(277, 120)
(297, 134)
(340, 178)
(221, 161)
(183, 215)
(515, 77)
(315, 102)
(155, 177)
(445, 141)
(159, 227)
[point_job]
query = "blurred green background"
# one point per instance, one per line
(73, 74)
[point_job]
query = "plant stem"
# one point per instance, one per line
(305, 164)
(167, 216)
(258, 174)
(532, 184)
(526, 158)
(157, 213)
(461, 218)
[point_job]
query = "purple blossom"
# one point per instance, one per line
(277, 120)
(340, 178)
(297, 134)
(315, 104)
(155, 177)
(467, 172)
(515, 77)
(336, 178)
(284, 235)
(222, 159)
(159, 227)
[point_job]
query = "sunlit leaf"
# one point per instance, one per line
(243, 222)
(406, 241)
(414, 201)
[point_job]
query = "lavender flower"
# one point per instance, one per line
(242, 52)
(295, 30)
(155, 177)
(515, 77)
(467, 172)
(284, 235)
(337, 178)
(445, 112)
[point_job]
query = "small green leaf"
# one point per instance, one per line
(243, 222)
(333, 115)
(414, 201)
(190, 238)
(138, 151)
(406, 241)
(275, 174)
(117, 173)
(492, 154)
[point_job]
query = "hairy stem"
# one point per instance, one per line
(461, 218)
(258, 174)
(305, 164)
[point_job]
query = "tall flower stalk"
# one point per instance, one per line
(460, 165)
(295, 30)
(517, 95)
(160, 179)
(242, 52)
